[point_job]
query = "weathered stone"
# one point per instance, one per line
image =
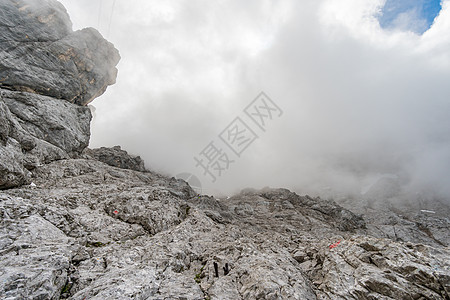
(117, 157)
(4, 123)
(39, 53)
(38, 129)
(57, 122)
(143, 229)
(12, 172)
(33, 21)
(35, 257)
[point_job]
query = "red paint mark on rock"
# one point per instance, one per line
(115, 212)
(334, 245)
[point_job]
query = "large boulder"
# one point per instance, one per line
(39, 53)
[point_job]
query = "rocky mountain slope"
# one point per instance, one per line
(77, 223)
(47, 72)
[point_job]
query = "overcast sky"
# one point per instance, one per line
(358, 99)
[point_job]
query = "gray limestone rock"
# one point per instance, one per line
(40, 54)
(47, 74)
(34, 21)
(35, 255)
(12, 171)
(125, 234)
(37, 130)
(117, 157)
(62, 124)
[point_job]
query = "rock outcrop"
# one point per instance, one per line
(89, 230)
(36, 130)
(47, 73)
(117, 157)
(39, 53)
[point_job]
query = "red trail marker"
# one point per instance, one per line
(335, 244)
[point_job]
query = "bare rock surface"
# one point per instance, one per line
(40, 53)
(105, 232)
(117, 157)
(38, 129)
(56, 122)
(406, 217)
(47, 73)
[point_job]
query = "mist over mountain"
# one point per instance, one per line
(359, 101)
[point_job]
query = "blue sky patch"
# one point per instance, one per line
(409, 15)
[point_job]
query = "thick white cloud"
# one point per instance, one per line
(358, 101)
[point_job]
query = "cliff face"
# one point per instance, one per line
(39, 53)
(77, 223)
(47, 73)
